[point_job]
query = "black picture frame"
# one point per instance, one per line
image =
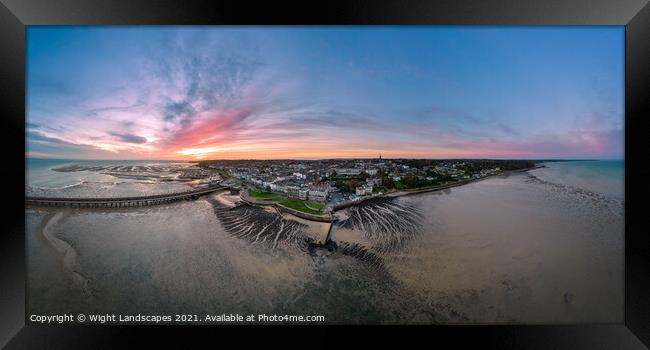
(633, 14)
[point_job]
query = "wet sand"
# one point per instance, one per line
(512, 249)
(49, 277)
(179, 259)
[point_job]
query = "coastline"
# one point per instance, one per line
(461, 183)
(429, 268)
(149, 200)
(400, 193)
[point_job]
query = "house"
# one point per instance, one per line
(363, 190)
(319, 192)
(296, 192)
(292, 191)
(373, 182)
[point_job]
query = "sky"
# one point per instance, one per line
(214, 92)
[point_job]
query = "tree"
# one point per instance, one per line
(387, 182)
(363, 176)
(410, 181)
(352, 185)
(341, 185)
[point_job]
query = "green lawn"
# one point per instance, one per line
(300, 206)
(272, 196)
(315, 205)
(398, 185)
(310, 207)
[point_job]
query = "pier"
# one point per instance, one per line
(123, 202)
(329, 231)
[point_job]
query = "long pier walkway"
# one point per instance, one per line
(122, 202)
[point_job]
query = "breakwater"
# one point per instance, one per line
(121, 202)
(258, 226)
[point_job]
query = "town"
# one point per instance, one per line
(316, 186)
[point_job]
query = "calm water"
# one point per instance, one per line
(40, 174)
(42, 180)
(538, 247)
(606, 177)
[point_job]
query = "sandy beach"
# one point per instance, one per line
(506, 249)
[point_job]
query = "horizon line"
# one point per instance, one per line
(320, 159)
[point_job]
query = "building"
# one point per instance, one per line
(319, 192)
(374, 181)
(348, 171)
(297, 192)
(371, 172)
(364, 190)
(292, 191)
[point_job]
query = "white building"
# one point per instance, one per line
(375, 181)
(319, 192)
(363, 190)
(297, 192)
(348, 171)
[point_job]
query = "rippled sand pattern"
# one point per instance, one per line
(258, 226)
(360, 252)
(513, 249)
(517, 249)
(592, 199)
(116, 168)
(388, 222)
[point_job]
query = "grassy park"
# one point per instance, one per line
(266, 196)
(303, 206)
(309, 207)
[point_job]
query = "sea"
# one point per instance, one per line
(538, 247)
(42, 178)
(605, 176)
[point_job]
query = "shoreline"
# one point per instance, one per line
(461, 183)
(400, 193)
(329, 217)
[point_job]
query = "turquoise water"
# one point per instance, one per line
(43, 181)
(605, 177)
(39, 172)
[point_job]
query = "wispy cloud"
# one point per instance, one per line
(129, 138)
(191, 93)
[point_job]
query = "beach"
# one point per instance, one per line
(516, 248)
